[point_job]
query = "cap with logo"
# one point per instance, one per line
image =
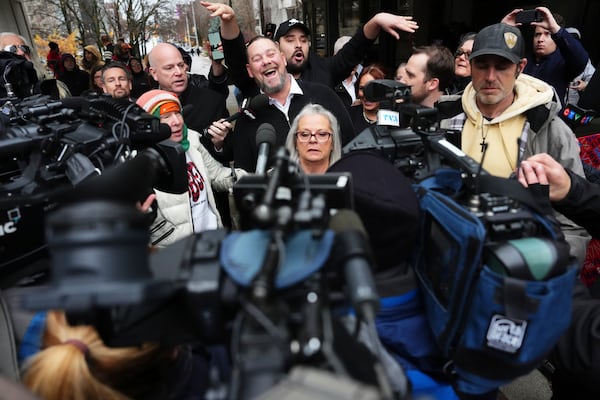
(288, 25)
(501, 40)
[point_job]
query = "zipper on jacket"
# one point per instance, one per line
(163, 237)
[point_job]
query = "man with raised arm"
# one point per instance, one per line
(293, 38)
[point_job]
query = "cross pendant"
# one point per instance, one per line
(483, 145)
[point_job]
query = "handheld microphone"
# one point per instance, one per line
(255, 104)
(354, 253)
(265, 139)
(264, 213)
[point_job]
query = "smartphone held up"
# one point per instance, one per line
(528, 16)
(214, 38)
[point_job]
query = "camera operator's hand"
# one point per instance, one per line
(218, 131)
(543, 169)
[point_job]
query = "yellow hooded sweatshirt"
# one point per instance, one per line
(502, 133)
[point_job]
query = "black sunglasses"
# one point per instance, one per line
(13, 48)
(460, 52)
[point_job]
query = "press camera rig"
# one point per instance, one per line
(48, 146)
(81, 166)
(268, 292)
(408, 135)
(277, 313)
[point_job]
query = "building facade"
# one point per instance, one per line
(440, 21)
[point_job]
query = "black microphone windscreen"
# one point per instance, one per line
(266, 134)
(164, 132)
(259, 102)
(385, 89)
(126, 182)
(347, 220)
(76, 103)
(155, 132)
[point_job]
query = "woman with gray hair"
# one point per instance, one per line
(314, 139)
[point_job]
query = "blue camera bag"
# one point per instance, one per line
(495, 307)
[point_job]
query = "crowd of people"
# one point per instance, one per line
(78, 76)
(502, 101)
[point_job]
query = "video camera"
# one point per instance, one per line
(48, 147)
(408, 134)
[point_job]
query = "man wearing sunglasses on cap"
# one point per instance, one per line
(26, 74)
(18, 76)
(15, 44)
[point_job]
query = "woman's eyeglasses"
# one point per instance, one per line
(321, 136)
(13, 48)
(461, 52)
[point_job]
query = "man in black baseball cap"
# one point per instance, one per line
(288, 25)
(294, 41)
(509, 116)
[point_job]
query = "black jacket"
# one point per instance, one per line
(576, 358)
(219, 83)
(202, 106)
(140, 83)
(243, 139)
(77, 80)
(343, 94)
(582, 204)
(358, 119)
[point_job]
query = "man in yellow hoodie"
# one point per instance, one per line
(504, 116)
